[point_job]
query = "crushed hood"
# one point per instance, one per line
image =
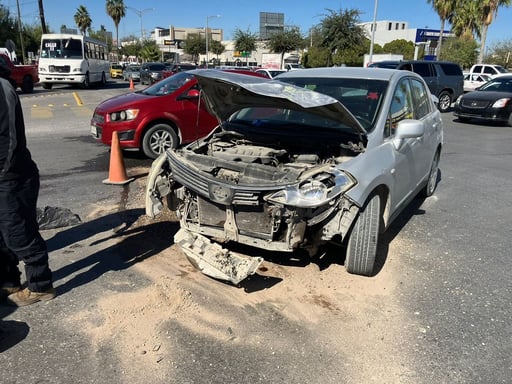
(226, 93)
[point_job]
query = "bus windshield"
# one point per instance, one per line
(67, 48)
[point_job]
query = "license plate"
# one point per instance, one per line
(94, 131)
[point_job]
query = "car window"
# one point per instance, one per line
(401, 107)
(362, 97)
(422, 69)
(169, 84)
(490, 70)
(420, 98)
(451, 69)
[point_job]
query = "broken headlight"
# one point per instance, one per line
(313, 193)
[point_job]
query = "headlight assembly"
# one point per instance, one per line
(501, 103)
(126, 115)
(313, 193)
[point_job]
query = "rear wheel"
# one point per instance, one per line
(363, 239)
(158, 139)
(445, 101)
(28, 85)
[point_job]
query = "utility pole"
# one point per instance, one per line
(21, 33)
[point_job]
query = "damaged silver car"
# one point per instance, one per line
(327, 155)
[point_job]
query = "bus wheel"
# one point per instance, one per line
(103, 79)
(86, 83)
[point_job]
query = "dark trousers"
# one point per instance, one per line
(20, 239)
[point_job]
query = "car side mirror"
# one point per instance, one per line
(408, 129)
(190, 94)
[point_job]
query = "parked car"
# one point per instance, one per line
(162, 116)
(444, 78)
(116, 70)
(151, 72)
(270, 72)
(159, 117)
(131, 72)
(472, 81)
(491, 102)
(175, 68)
(291, 168)
(492, 70)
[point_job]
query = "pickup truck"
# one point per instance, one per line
(23, 76)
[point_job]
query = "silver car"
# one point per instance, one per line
(327, 155)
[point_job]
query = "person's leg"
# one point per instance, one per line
(18, 224)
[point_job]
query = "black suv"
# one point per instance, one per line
(444, 78)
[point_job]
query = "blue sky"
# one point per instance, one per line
(240, 14)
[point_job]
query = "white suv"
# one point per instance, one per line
(492, 70)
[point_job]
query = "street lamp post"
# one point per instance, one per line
(206, 36)
(140, 12)
(374, 27)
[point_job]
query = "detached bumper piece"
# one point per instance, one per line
(213, 260)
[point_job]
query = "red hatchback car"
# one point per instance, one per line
(164, 115)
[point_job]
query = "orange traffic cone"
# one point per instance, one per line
(131, 84)
(117, 172)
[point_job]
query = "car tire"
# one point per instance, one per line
(103, 79)
(431, 185)
(445, 101)
(28, 85)
(157, 139)
(46, 85)
(86, 84)
(363, 239)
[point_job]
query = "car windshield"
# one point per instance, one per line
(157, 67)
(133, 68)
(168, 85)
(497, 85)
(362, 97)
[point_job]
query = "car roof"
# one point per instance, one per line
(341, 72)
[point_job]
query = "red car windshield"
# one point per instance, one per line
(168, 85)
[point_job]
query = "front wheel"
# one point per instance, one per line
(429, 189)
(445, 101)
(46, 85)
(86, 84)
(158, 139)
(363, 239)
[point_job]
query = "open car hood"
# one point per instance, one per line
(226, 93)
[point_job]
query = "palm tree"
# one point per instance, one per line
(82, 19)
(444, 9)
(465, 20)
(489, 13)
(116, 10)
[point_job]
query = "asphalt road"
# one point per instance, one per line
(131, 309)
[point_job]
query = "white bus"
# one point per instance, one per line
(72, 59)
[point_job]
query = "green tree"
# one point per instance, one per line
(460, 50)
(465, 19)
(400, 47)
(444, 9)
(286, 41)
(150, 51)
(82, 19)
(341, 31)
(244, 41)
(489, 13)
(116, 10)
(194, 46)
(500, 53)
(216, 47)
